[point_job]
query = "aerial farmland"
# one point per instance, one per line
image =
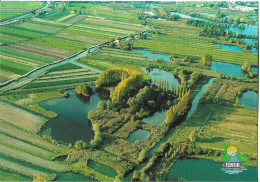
(128, 91)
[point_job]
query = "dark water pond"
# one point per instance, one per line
(106, 170)
(157, 118)
(250, 99)
(72, 123)
(207, 170)
(228, 69)
(230, 48)
(163, 75)
(150, 55)
(138, 135)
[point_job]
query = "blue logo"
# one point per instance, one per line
(233, 161)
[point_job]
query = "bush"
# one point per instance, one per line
(85, 90)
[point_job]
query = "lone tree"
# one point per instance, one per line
(85, 90)
(206, 60)
(246, 67)
(101, 106)
(142, 155)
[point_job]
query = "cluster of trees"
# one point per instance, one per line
(142, 99)
(246, 67)
(85, 90)
(142, 155)
(192, 149)
(81, 145)
(208, 29)
(161, 84)
(206, 60)
(126, 86)
(178, 109)
(183, 75)
(98, 138)
(110, 77)
(124, 45)
(173, 17)
(193, 78)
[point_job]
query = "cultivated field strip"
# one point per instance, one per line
(12, 59)
(115, 24)
(37, 27)
(21, 145)
(23, 55)
(12, 9)
(29, 138)
(42, 50)
(85, 73)
(21, 169)
(50, 22)
(53, 73)
(66, 17)
(70, 77)
(61, 43)
(61, 82)
(11, 176)
(35, 47)
(24, 59)
(38, 161)
(75, 19)
(21, 118)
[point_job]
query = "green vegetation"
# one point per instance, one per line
(131, 101)
(16, 8)
(85, 90)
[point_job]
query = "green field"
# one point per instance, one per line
(13, 9)
(120, 124)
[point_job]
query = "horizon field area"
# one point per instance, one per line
(129, 91)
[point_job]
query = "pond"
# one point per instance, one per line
(248, 30)
(208, 14)
(138, 135)
(197, 98)
(228, 69)
(252, 42)
(189, 17)
(72, 123)
(229, 47)
(157, 118)
(163, 75)
(150, 55)
(250, 99)
(104, 169)
(207, 170)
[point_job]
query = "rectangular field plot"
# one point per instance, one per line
(62, 43)
(21, 145)
(21, 118)
(109, 58)
(97, 30)
(41, 50)
(38, 161)
(21, 169)
(13, 9)
(63, 75)
(28, 137)
(38, 27)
